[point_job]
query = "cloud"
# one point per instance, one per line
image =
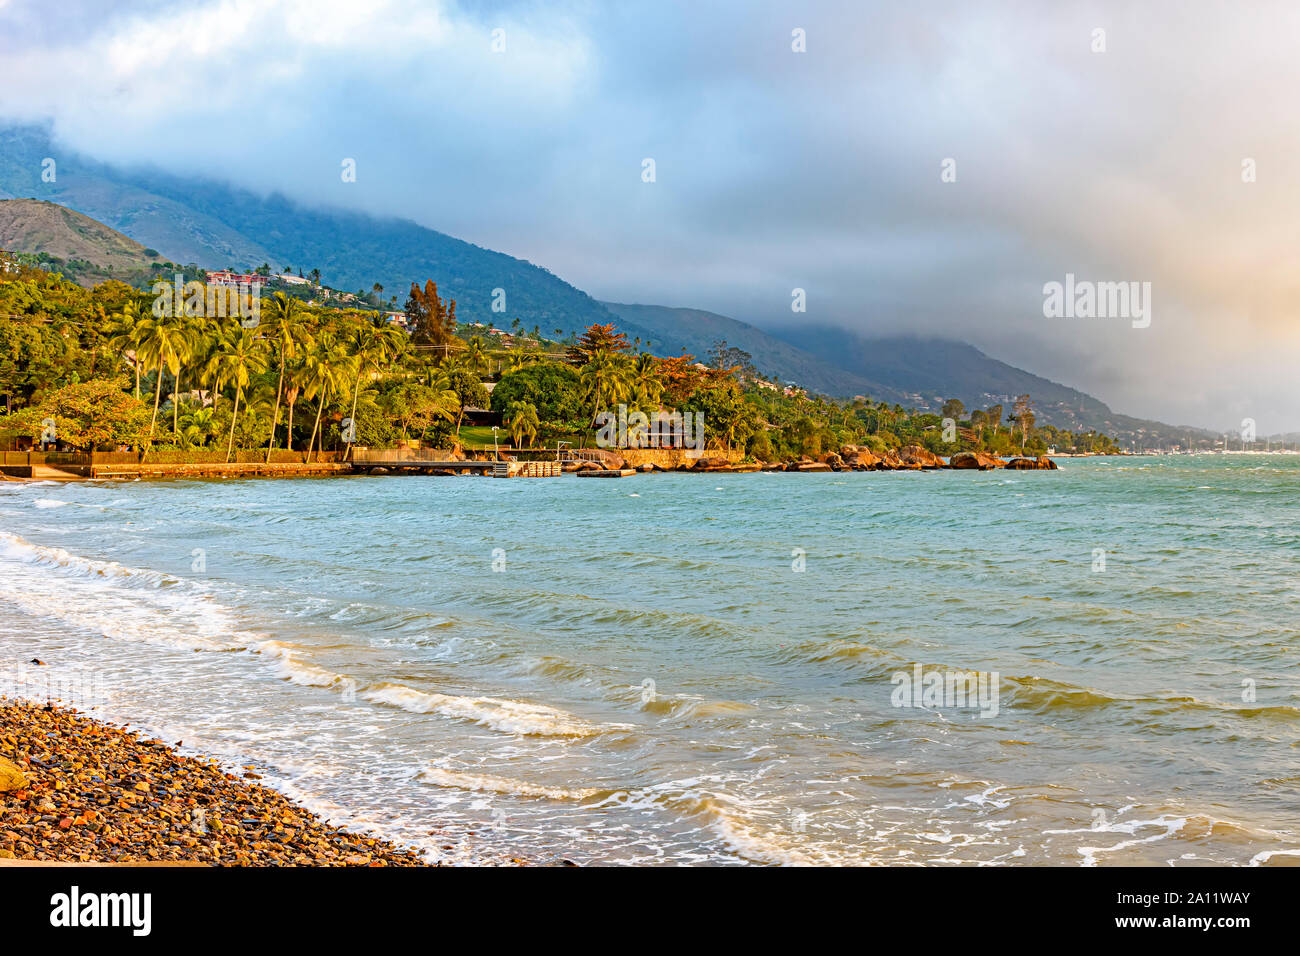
(775, 169)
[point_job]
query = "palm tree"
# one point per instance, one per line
(474, 357)
(523, 423)
(240, 356)
(325, 367)
(296, 381)
(607, 379)
(163, 342)
(285, 330)
(188, 351)
(373, 346)
(124, 338)
(646, 382)
(198, 427)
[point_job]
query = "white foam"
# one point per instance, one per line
(107, 598)
(509, 716)
(439, 777)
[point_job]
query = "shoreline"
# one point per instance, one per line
(832, 462)
(79, 790)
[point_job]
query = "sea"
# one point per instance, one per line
(1094, 666)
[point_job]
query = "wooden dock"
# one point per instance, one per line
(435, 462)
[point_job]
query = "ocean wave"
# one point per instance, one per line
(461, 780)
(509, 716)
(113, 600)
(1041, 695)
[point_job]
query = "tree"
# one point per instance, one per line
(597, 338)
(647, 386)
(165, 342)
(606, 380)
(470, 392)
(954, 408)
(554, 390)
(474, 355)
(285, 331)
(521, 417)
(728, 358)
(325, 372)
(1024, 416)
(124, 338)
(994, 416)
(86, 415)
(432, 322)
(240, 355)
(372, 347)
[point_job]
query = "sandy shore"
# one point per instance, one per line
(78, 790)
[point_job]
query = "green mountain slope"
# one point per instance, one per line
(216, 226)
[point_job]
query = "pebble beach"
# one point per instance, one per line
(77, 790)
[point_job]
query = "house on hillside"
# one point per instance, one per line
(224, 277)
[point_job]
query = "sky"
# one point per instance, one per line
(918, 167)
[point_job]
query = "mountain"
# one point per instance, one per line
(676, 330)
(911, 371)
(215, 226)
(84, 250)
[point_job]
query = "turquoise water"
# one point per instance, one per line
(634, 671)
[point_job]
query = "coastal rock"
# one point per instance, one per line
(916, 455)
(975, 459)
(11, 777)
(773, 466)
(814, 466)
(833, 460)
(862, 460)
(1046, 463)
(1022, 464)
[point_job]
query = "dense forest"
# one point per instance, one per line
(110, 369)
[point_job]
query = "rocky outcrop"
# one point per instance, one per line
(712, 464)
(916, 455)
(861, 460)
(975, 459)
(1042, 462)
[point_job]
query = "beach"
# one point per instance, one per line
(676, 668)
(77, 790)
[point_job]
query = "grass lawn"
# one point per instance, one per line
(480, 436)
